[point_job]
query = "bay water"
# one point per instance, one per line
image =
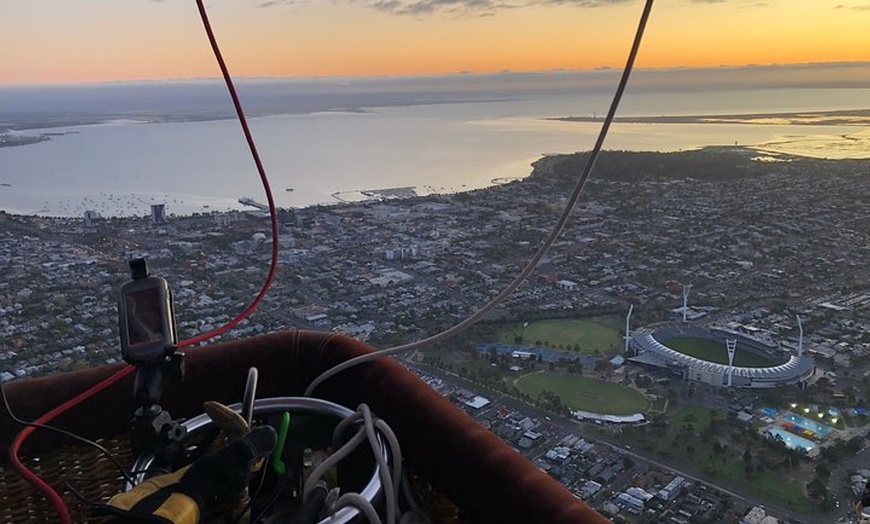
(121, 167)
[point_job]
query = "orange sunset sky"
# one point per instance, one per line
(51, 41)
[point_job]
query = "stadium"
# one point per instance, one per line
(700, 354)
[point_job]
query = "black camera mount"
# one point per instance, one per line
(152, 428)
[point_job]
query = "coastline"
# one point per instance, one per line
(612, 165)
(851, 117)
(854, 146)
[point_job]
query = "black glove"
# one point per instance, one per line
(184, 496)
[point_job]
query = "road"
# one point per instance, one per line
(838, 484)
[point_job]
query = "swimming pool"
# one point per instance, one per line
(769, 411)
(819, 429)
(790, 440)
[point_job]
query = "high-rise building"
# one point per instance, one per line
(158, 214)
(91, 218)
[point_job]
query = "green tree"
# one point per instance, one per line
(817, 488)
(823, 470)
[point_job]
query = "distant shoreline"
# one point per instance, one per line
(851, 117)
(8, 140)
(162, 117)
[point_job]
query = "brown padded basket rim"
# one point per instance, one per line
(483, 475)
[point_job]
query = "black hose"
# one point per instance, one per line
(309, 513)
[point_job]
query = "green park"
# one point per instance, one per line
(584, 393)
(591, 336)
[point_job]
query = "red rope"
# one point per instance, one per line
(52, 495)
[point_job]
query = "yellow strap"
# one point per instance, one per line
(179, 509)
(128, 499)
(227, 419)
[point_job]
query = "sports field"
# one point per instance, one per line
(599, 334)
(587, 394)
(714, 351)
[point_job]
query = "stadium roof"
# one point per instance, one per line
(794, 368)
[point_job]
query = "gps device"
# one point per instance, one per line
(146, 320)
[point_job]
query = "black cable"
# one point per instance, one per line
(312, 506)
(278, 491)
(77, 493)
(69, 434)
(100, 478)
(253, 498)
(545, 247)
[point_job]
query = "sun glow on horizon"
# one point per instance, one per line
(98, 40)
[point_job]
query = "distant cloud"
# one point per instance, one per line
(863, 7)
(472, 7)
(426, 7)
(276, 3)
(581, 3)
(736, 3)
(491, 7)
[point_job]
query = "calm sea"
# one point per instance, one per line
(120, 168)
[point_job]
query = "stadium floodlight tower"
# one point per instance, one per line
(731, 345)
(800, 336)
(628, 325)
(686, 289)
